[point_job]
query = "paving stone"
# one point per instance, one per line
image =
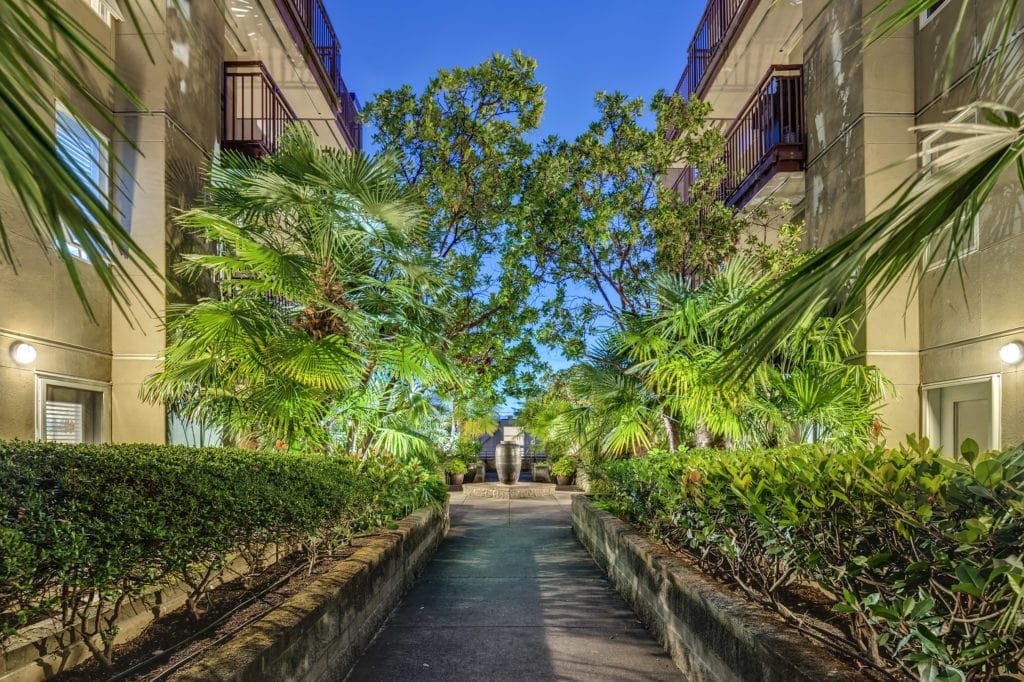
(511, 595)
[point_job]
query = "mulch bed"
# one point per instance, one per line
(157, 652)
(813, 617)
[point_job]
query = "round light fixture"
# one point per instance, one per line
(1012, 353)
(23, 353)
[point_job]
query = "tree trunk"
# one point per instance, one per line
(671, 430)
(704, 438)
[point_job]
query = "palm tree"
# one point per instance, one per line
(801, 389)
(653, 385)
(323, 337)
(40, 39)
(944, 196)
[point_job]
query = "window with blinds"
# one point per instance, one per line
(72, 415)
(85, 152)
(64, 422)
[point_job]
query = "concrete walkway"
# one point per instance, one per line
(511, 595)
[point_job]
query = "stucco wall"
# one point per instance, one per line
(967, 314)
(37, 300)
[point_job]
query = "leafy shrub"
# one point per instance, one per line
(87, 528)
(921, 553)
(563, 467)
(468, 450)
(455, 466)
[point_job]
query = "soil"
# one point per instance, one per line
(174, 641)
(813, 617)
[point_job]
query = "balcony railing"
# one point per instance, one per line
(768, 136)
(713, 31)
(315, 28)
(255, 111)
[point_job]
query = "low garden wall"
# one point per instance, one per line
(98, 540)
(710, 633)
(318, 633)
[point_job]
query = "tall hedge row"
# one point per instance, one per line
(919, 554)
(84, 529)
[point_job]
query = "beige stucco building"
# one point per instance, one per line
(227, 77)
(816, 119)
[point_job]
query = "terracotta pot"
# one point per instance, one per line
(457, 478)
(563, 480)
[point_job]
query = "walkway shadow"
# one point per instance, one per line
(511, 595)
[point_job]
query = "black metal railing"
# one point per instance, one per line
(255, 111)
(768, 136)
(315, 25)
(713, 30)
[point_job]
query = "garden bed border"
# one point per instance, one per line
(321, 631)
(711, 633)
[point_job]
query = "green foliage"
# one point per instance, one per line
(467, 450)
(654, 383)
(45, 51)
(84, 529)
(922, 553)
(564, 467)
(324, 336)
(520, 229)
(463, 146)
(803, 388)
(604, 220)
(943, 200)
(455, 466)
(543, 417)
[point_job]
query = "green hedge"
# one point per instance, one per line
(82, 526)
(921, 555)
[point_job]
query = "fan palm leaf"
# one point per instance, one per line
(945, 196)
(45, 53)
(323, 336)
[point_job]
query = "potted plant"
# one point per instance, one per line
(542, 472)
(563, 470)
(456, 470)
(468, 452)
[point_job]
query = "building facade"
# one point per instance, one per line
(220, 77)
(819, 120)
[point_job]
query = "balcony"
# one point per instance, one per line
(255, 111)
(768, 137)
(720, 21)
(312, 28)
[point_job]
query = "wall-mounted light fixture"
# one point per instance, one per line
(1012, 353)
(23, 353)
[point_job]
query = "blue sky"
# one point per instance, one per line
(580, 47)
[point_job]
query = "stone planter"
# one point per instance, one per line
(508, 460)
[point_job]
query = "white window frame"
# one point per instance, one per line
(73, 248)
(967, 115)
(928, 14)
(931, 423)
(108, 10)
(45, 379)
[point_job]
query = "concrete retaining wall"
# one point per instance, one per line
(710, 633)
(42, 650)
(318, 633)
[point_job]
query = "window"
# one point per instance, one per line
(71, 410)
(108, 10)
(930, 13)
(85, 151)
(935, 258)
(957, 410)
